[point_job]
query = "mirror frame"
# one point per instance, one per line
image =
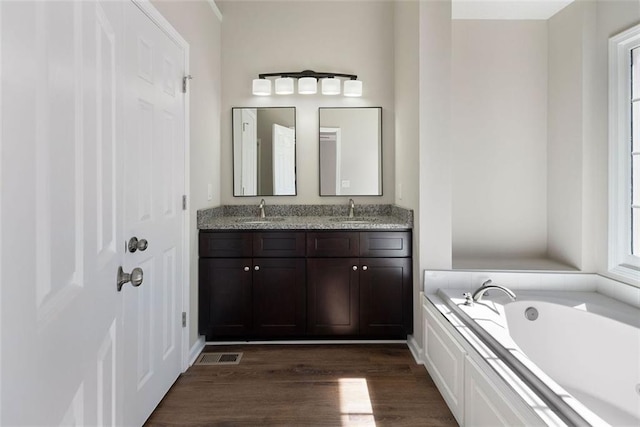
(233, 151)
(380, 162)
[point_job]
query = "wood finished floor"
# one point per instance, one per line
(306, 385)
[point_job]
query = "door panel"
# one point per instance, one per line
(58, 213)
(225, 297)
(385, 297)
(333, 296)
(62, 214)
(153, 155)
(279, 291)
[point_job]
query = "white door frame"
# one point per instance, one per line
(155, 16)
(338, 135)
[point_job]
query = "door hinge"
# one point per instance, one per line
(184, 82)
(184, 319)
(184, 202)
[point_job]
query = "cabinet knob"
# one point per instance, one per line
(256, 268)
(355, 267)
(364, 268)
(246, 268)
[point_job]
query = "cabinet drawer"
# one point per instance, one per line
(385, 244)
(225, 245)
(279, 244)
(333, 244)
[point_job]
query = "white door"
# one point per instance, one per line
(59, 219)
(73, 350)
(284, 161)
(153, 155)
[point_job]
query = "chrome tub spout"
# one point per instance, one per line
(487, 285)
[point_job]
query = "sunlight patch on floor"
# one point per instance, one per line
(355, 402)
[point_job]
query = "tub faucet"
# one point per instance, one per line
(261, 207)
(479, 293)
(352, 206)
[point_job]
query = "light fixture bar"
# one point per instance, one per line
(307, 83)
(308, 73)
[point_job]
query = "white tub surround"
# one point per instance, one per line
(579, 355)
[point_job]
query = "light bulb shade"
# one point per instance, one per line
(352, 88)
(331, 86)
(284, 86)
(307, 85)
(261, 87)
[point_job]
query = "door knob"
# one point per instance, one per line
(135, 277)
(246, 268)
(355, 267)
(365, 268)
(137, 245)
(256, 268)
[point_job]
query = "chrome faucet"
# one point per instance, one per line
(352, 206)
(261, 207)
(479, 293)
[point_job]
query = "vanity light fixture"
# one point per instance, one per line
(307, 86)
(262, 87)
(284, 86)
(308, 83)
(331, 86)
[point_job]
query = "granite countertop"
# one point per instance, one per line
(305, 217)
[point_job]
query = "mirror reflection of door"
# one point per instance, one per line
(330, 161)
(284, 161)
(264, 154)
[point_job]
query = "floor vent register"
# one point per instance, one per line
(219, 359)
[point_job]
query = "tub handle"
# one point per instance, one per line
(468, 298)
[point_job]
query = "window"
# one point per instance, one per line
(624, 153)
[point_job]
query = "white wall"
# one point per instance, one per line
(499, 138)
(565, 134)
(352, 37)
(201, 27)
(435, 219)
(407, 104)
(578, 128)
(612, 18)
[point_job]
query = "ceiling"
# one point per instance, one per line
(506, 9)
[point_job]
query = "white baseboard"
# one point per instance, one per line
(309, 342)
(196, 349)
(415, 349)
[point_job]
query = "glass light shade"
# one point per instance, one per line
(352, 88)
(331, 86)
(284, 86)
(261, 87)
(307, 85)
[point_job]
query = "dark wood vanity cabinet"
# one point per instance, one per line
(365, 296)
(252, 284)
(296, 284)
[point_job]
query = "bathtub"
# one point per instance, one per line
(579, 351)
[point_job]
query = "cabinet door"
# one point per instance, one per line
(225, 297)
(333, 243)
(279, 244)
(385, 297)
(333, 295)
(279, 296)
(223, 244)
(384, 244)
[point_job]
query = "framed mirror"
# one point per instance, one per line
(350, 151)
(264, 151)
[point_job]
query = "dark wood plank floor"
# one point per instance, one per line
(307, 385)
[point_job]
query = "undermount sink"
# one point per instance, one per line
(266, 220)
(354, 220)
